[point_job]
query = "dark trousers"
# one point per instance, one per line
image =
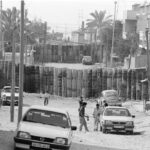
(83, 123)
(45, 101)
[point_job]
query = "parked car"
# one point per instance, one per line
(87, 60)
(111, 97)
(6, 95)
(117, 119)
(43, 127)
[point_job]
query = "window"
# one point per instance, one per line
(117, 112)
(47, 117)
(111, 93)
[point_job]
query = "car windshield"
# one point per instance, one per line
(8, 90)
(47, 117)
(117, 112)
(111, 93)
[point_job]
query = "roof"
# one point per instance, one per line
(10, 87)
(104, 91)
(39, 107)
(119, 107)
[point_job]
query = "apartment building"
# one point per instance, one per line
(137, 20)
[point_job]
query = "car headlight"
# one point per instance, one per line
(25, 135)
(60, 140)
(108, 122)
(129, 123)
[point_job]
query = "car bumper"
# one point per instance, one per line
(37, 145)
(8, 102)
(119, 128)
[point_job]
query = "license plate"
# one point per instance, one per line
(119, 127)
(46, 146)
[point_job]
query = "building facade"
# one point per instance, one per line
(137, 20)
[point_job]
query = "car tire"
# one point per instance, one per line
(100, 128)
(3, 103)
(16, 148)
(130, 132)
(103, 130)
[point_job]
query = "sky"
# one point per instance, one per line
(67, 15)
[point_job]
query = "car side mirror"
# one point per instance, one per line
(73, 128)
(133, 116)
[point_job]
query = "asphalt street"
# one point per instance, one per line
(6, 143)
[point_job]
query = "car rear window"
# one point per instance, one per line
(111, 93)
(117, 112)
(47, 117)
(9, 90)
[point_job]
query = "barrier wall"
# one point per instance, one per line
(74, 83)
(66, 53)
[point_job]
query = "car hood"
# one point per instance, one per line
(118, 118)
(43, 130)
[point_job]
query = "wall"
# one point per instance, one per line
(68, 82)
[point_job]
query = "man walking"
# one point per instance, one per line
(82, 117)
(96, 116)
(46, 98)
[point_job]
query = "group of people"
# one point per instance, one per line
(98, 110)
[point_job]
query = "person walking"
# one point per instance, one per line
(105, 104)
(80, 102)
(46, 98)
(82, 117)
(96, 116)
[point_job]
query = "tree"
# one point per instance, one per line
(10, 24)
(36, 27)
(133, 39)
(99, 22)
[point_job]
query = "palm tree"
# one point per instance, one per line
(10, 23)
(99, 22)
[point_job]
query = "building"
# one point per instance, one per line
(28, 56)
(137, 20)
(84, 35)
(78, 36)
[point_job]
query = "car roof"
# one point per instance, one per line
(120, 107)
(39, 107)
(104, 91)
(10, 87)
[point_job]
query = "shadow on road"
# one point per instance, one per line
(134, 133)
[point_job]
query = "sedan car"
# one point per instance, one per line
(6, 95)
(116, 119)
(42, 128)
(111, 97)
(87, 60)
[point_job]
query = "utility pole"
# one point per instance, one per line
(113, 36)
(148, 67)
(1, 29)
(13, 77)
(21, 66)
(45, 36)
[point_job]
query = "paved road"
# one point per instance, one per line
(6, 143)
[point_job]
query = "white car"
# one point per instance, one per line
(116, 119)
(6, 95)
(46, 128)
(87, 60)
(111, 97)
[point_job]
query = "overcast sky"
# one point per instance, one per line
(67, 15)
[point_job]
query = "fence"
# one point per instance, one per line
(66, 53)
(74, 83)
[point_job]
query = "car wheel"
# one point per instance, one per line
(15, 148)
(131, 132)
(100, 128)
(103, 130)
(3, 103)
